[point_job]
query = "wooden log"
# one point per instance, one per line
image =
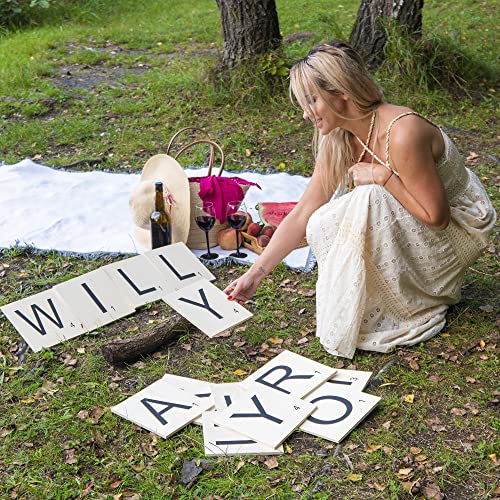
(132, 348)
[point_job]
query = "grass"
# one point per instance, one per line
(114, 81)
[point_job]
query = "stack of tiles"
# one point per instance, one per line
(255, 416)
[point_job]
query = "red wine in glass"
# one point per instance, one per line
(236, 217)
(205, 219)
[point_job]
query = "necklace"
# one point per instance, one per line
(369, 138)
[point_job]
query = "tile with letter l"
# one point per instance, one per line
(290, 373)
(199, 388)
(95, 299)
(43, 320)
(339, 410)
(220, 441)
(178, 266)
(161, 408)
(354, 379)
(207, 307)
(225, 394)
(264, 415)
(138, 279)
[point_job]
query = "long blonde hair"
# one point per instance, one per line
(334, 68)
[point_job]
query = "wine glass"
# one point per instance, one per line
(236, 216)
(204, 216)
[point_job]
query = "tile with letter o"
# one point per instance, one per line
(207, 307)
(162, 408)
(220, 441)
(264, 415)
(339, 410)
(290, 373)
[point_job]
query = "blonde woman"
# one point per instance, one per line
(392, 252)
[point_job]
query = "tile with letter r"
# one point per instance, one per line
(162, 408)
(207, 307)
(137, 279)
(264, 415)
(354, 379)
(198, 388)
(95, 299)
(290, 373)
(178, 266)
(220, 441)
(43, 320)
(339, 410)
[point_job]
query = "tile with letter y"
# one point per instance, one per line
(137, 279)
(207, 307)
(162, 408)
(339, 410)
(220, 441)
(43, 320)
(199, 388)
(264, 415)
(95, 299)
(290, 373)
(178, 266)
(354, 379)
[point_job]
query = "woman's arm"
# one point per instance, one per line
(414, 147)
(286, 238)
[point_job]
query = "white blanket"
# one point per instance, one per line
(87, 213)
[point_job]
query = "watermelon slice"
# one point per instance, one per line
(271, 213)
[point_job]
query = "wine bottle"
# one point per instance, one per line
(161, 224)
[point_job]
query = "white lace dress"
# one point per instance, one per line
(384, 278)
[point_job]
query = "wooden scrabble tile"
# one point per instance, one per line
(355, 379)
(95, 299)
(339, 410)
(162, 408)
(207, 307)
(220, 441)
(225, 394)
(290, 373)
(178, 266)
(264, 414)
(43, 320)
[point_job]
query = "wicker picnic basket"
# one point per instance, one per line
(196, 239)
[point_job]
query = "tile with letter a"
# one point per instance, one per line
(290, 373)
(356, 380)
(207, 307)
(95, 299)
(199, 388)
(339, 410)
(43, 320)
(178, 266)
(264, 415)
(138, 279)
(220, 441)
(161, 408)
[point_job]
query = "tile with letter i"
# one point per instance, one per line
(264, 415)
(207, 307)
(43, 320)
(161, 408)
(178, 266)
(225, 394)
(220, 441)
(290, 373)
(339, 410)
(199, 388)
(354, 379)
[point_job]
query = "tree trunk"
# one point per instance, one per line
(249, 27)
(368, 36)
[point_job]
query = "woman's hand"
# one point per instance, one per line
(243, 288)
(369, 173)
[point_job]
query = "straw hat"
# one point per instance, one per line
(161, 168)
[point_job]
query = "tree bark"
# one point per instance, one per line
(368, 36)
(249, 27)
(131, 349)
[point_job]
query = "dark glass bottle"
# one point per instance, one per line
(161, 224)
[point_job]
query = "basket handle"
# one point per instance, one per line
(212, 144)
(182, 130)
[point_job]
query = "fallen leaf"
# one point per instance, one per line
(240, 372)
(414, 450)
(239, 343)
(421, 458)
(486, 308)
(414, 365)
(115, 484)
(432, 492)
(186, 347)
(409, 486)
(493, 457)
(271, 462)
(355, 477)
(275, 340)
(241, 463)
(96, 413)
(376, 486)
(303, 340)
(288, 449)
(82, 414)
(247, 152)
(387, 425)
(137, 467)
(405, 472)
(370, 448)
(69, 456)
(409, 398)
(307, 293)
(458, 411)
